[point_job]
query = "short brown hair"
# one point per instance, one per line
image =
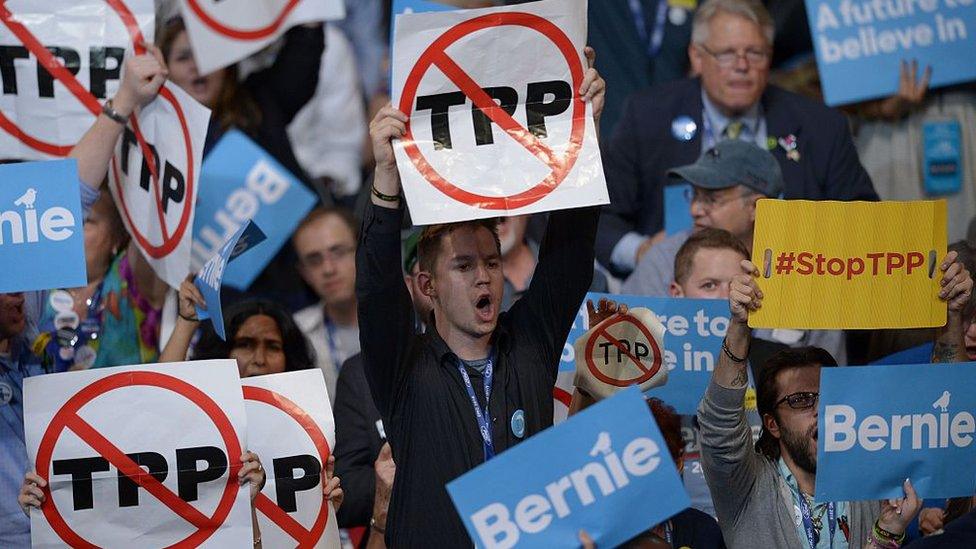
(322, 212)
(429, 246)
(712, 239)
(669, 422)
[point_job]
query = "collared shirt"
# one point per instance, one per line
(333, 344)
(714, 124)
(840, 542)
(14, 367)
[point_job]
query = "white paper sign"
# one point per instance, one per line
(222, 32)
(139, 455)
(156, 199)
(290, 426)
(496, 126)
(44, 112)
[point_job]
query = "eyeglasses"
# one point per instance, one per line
(317, 258)
(728, 58)
(709, 200)
(800, 401)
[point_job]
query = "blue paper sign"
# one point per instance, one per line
(210, 278)
(42, 243)
(677, 210)
(240, 181)
(879, 425)
(694, 329)
(942, 144)
(606, 470)
(860, 45)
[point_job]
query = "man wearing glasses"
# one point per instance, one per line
(325, 243)
(672, 124)
(764, 496)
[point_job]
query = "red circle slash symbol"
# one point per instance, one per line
(241, 34)
(67, 418)
(435, 55)
(306, 538)
(603, 332)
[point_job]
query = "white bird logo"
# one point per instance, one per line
(27, 200)
(943, 401)
(602, 445)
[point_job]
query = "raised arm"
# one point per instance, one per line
(141, 79)
(565, 268)
(956, 290)
(189, 298)
(731, 465)
(385, 310)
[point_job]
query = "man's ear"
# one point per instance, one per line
(676, 290)
(426, 282)
(752, 207)
(695, 57)
(771, 425)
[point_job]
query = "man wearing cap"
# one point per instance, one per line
(672, 124)
(727, 181)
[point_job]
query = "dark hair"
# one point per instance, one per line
(298, 355)
(321, 212)
(957, 507)
(669, 422)
(713, 239)
(429, 246)
(767, 387)
(235, 107)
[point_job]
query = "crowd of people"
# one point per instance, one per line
(431, 338)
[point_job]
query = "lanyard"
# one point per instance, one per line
(668, 533)
(655, 38)
(330, 339)
(484, 427)
(808, 521)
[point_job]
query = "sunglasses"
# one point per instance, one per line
(800, 401)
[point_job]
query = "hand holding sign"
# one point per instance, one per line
(142, 78)
(897, 514)
(956, 283)
(252, 473)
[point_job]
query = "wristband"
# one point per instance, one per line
(374, 526)
(385, 197)
(885, 535)
(728, 353)
(110, 112)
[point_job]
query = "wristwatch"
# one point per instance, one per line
(110, 112)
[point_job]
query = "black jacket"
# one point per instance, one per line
(643, 149)
(415, 381)
(358, 443)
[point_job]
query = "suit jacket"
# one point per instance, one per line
(642, 150)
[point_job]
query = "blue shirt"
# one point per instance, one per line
(714, 124)
(14, 367)
(840, 542)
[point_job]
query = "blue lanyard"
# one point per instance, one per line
(656, 37)
(808, 521)
(330, 339)
(668, 534)
(484, 427)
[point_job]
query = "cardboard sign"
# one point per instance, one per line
(677, 210)
(860, 44)
(222, 32)
(166, 475)
(849, 265)
(211, 276)
(241, 181)
(493, 130)
(290, 426)
(154, 178)
(59, 60)
(879, 425)
(623, 350)
(605, 470)
(42, 242)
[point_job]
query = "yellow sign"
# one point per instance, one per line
(849, 265)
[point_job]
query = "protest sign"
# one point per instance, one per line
(211, 276)
(541, 493)
(879, 425)
(677, 210)
(42, 243)
(222, 32)
(622, 350)
(154, 177)
(240, 181)
(59, 60)
(411, 6)
(453, 163)
(861, 43)
(693, 334)
(290, 426)
(849, 265)
(181, 442)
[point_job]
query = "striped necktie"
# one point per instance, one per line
(733, 130)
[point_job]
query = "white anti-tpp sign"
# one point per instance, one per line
(290, 426)
(59, 60)
(496, 124)
(164, 475)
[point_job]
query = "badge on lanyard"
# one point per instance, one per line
(942, 150)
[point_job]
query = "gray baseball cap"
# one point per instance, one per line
(733, 162)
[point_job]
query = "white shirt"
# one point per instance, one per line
(333, 344)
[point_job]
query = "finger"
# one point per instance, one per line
(590, 54)
(36, 479)
(589, 83)
(960, 301)
(330, 467)
(914, 75)
(623, 309)
(949, 259)
(590, 312)
(950, 273)
(36, 492)
(748, 267)
(390, 111)
(158, 56)
(924, 86)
